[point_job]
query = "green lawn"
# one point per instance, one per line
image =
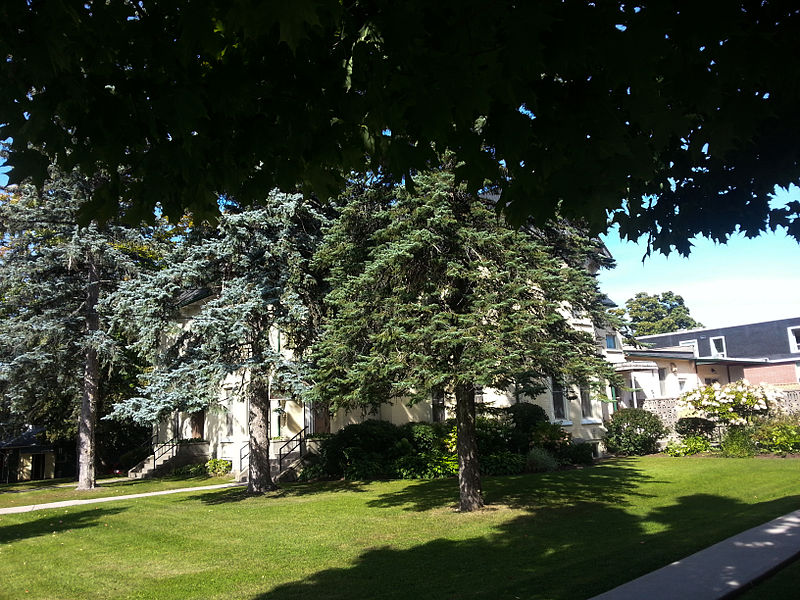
(55, 490)
(566, 535)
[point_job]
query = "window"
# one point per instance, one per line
(438, 407)
(560, 411)
(586, 403)
(681, 384)
(611, 342)
(229, 424)
(662, 381)
(691, 343)
(794, 339)
(718, 347)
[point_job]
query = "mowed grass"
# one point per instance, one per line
(571, 534)
(56, 490)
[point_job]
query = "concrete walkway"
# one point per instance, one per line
(63, 503)
(722, 569)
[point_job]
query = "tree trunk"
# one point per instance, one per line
(469, 474)
(91, 387)
(259, 478)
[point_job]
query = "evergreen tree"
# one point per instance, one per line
(53, 273)
(435, 292)
(658, 313)
(261, 302)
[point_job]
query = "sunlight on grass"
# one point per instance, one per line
(542, 536)
(22, 494)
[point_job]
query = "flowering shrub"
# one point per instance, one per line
(732, 404)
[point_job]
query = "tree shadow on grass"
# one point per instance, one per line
(568, 551)
(610, 482)
(238, 494)
(54, 521)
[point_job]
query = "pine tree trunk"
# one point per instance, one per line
(259, 478)
(91, 387)
(469, 475)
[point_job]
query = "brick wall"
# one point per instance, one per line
(783, 373)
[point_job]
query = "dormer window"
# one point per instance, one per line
(718, 347)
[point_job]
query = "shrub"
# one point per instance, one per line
(540, 459)
(196, 470)
(738, 443)
(779, 435)
(689, 445)
(216, 467)
(576, 454)
(550, 436)
(502, 463)
(524, 418)
(491, 435)
(687, 427)
(363, 451)
(429, 465)
(734, 403)
(634, 431)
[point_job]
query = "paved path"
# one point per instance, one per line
(63, 503)
(721, 569)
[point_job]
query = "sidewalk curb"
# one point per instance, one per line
(31, 507)
(722, 569)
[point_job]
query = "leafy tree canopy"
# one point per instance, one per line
(659, 313)
(52, 273)
(435, 293)
(681, 117)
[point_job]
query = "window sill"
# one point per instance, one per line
(591, 421)
(562, 422)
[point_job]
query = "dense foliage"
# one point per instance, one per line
(658, 313)
(686, 113)
(634, 431)
(380, 450)
(235, 299)
(435, 293)
(58, 367)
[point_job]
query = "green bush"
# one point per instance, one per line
(575, 454)
(197, 470)
(738, 442)
(502, 463)
(491, 435)
(363, 451)
(688, 446)
(216, 467)
(687, 427)
(430, 465)
(550, 436)
(634, 431)
(540, 459)
(779, 435)
(524, 417)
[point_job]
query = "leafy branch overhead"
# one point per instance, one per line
(679, 118)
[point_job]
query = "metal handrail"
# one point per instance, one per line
(296, 441)
(160, 450)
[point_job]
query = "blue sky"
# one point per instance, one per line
(743, 281)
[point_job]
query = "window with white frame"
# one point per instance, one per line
(794, 339)
(718, 347)
(689, 343)
(560, 409)
(611, 341)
